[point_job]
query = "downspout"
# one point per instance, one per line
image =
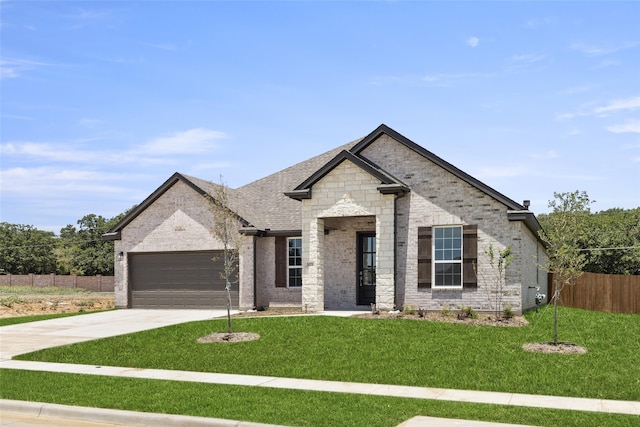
(395, 248)
(255, 275)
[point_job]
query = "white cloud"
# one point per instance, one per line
(629, 127)
(47, 182)
(528, 62)
(597, 50)
(546, 155)
(473, 41)
(576, 90)
(14, 67)
(162, 46)
(527, 58)
(617, 105)
(165, 150)
(89, 123)
(192, 141)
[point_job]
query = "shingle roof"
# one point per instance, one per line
(264, 202)
(264, 205)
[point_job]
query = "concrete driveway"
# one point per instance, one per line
(27, 337)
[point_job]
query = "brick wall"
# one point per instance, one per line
(439, 198)
(179, 220)
(267, 292)
(91, 283)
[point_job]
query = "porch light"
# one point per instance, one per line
(120, 256)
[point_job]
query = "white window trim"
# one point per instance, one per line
(289, 267)
(434, 261)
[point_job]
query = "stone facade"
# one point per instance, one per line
(347, 191)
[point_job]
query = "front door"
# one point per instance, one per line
(366, 293)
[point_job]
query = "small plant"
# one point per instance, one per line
(409, 309)
(374, 309)
(467, 312)
(445, 310)
(8, 301)
(508, 312)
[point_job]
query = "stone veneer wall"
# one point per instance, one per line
(439, 198)
(179, 220)
(347, 191)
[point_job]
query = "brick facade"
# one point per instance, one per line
(345, 197)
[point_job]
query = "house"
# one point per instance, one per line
(380, 220)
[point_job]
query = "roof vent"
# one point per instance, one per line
(526, 204)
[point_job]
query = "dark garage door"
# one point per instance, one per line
(179, 280)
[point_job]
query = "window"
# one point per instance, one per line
(294, 263)
(447, 251)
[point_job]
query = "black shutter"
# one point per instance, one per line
(470, 256)
(281, 262)
(424, 257)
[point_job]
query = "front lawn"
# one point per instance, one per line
(274, 406)
(405, 352)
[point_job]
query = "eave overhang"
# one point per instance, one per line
(528, 218)
(115, 233)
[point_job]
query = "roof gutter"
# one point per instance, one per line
(528, 218)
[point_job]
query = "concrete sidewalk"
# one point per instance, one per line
(22, 338)
(496, 398)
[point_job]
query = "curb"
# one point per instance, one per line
(116, 416)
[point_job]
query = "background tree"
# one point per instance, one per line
(564, 232)
(82, 250)
(610, 241)
(225, 229)
(25, 249)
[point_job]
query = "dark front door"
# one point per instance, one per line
(366, 293)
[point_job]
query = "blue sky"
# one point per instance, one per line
(102, 101)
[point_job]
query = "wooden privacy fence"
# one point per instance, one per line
(613, 293)
(91, 283)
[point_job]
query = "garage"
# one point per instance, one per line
(179, 280)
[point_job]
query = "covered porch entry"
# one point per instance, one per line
(350, 259)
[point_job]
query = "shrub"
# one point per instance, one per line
(409, 309)
(508, 312)
(467, 312)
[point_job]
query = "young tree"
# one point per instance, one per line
(225, 229)
(498, 265)
(565, 229)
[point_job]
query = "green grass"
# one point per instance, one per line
(276, 406)
(405, 352)
(35, 318)
(47, 290)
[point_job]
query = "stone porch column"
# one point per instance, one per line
(385, 286)
(246, 279)
(313, 265)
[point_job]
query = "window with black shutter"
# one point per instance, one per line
(447, 256)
